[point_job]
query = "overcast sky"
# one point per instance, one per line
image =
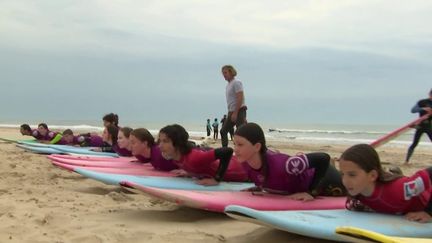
(302, 61)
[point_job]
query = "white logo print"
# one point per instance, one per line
(296, 165)
(413, 188)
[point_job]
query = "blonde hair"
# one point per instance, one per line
(230, 69)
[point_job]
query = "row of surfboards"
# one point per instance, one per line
(323, 218)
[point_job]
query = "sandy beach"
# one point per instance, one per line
(41, 203)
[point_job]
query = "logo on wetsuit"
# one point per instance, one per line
(296, 165)
(413, 188)
(51, 134)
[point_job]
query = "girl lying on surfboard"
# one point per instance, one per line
(27, 131)
(123, 147)
(206, 164)
(110, 119)
(109, 137)
(302, 176)
(146, 150)
(370, 188)
(83, 140)
(47, 136)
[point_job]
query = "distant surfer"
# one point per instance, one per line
(422, 107)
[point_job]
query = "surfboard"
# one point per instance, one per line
(216, 201)
(34, 143)
(88, 159)
(8, 140)
(358, 235)
(139, 170)
(86, 163)
(394, 134)
(322, 224)
(82, 150)
(39, 150)
(161, 182)
(61, 157)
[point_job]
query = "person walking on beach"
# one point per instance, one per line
(235, 102)
(422, 107)
(215, 126)
(208, 127)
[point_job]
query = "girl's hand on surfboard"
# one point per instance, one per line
(252, 189)
(207, 182)
(301, 196)
(180, 173)
(421, 217)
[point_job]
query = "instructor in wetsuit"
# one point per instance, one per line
(422, 107)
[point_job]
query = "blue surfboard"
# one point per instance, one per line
(69, 149)
(323, 223)
(17, 141)
(40, 149)
(162, 182)
(82, 150)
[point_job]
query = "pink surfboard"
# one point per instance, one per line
(60, 157)
(143, 170)
(394, 134)
(216, 201)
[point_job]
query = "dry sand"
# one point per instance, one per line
(41, 203)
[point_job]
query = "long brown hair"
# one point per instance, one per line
(179, 138)
(143, 135)
(254, 134)
(366, 157)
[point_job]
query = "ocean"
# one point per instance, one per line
(344, 134)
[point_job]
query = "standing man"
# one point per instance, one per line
(422, 107)
(235, 102)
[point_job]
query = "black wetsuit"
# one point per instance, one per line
(424, 127)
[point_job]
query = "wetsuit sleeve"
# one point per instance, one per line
(416, 108)
(56, 139)
(224, 155)
(320, 162)
(107, 148)
(428, 208)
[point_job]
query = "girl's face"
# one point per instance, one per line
(356, 180)
(42, 130)
(68, 138)
(245, 150)
(137, 147)
(166, 146)
(106, 123)
(106, 137)
(122, 141)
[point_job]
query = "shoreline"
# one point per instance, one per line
(319, 135)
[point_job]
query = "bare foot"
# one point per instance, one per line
(406, 164)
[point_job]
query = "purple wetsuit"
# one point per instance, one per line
(122, 151)
(157, 160)
(284, 174)
(35, 133)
